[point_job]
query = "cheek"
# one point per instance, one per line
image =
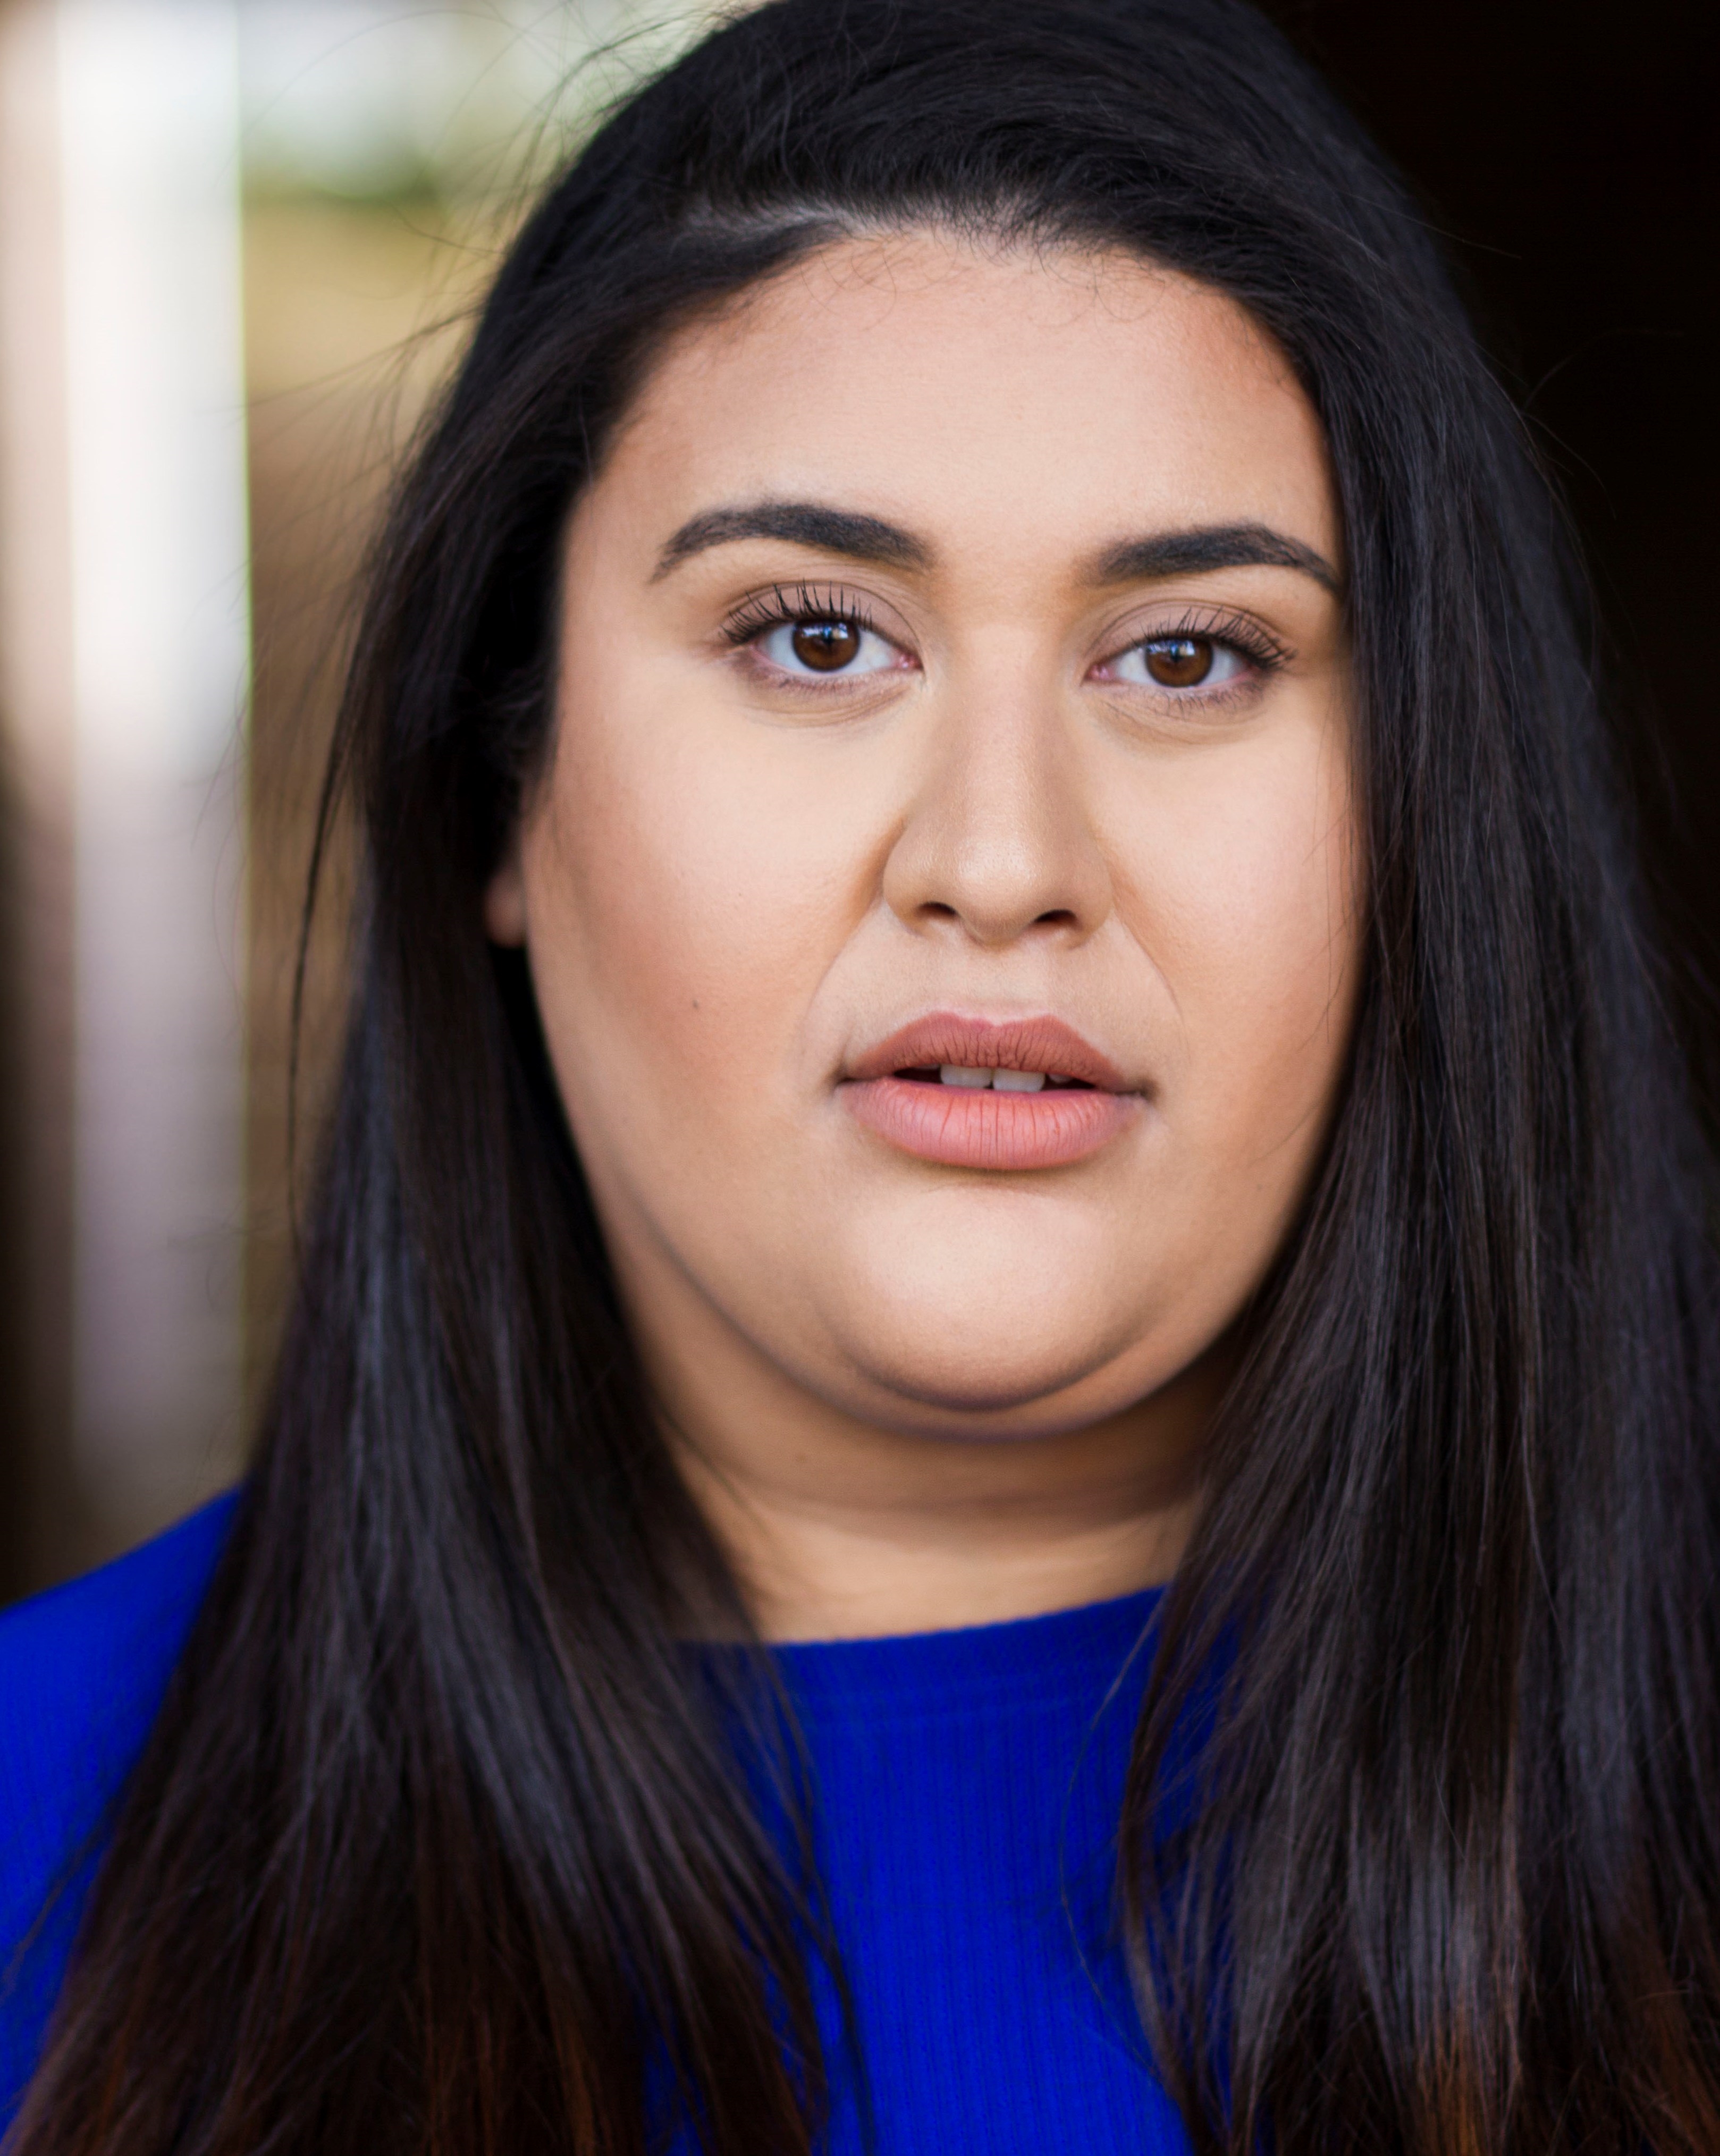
(1253, 909)
(684, 900)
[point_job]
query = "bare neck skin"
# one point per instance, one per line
(941, 902)
(840, 1527)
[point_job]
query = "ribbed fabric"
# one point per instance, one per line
(967, 1787)
(82, 1672)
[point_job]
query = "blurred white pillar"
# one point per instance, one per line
(141, 658)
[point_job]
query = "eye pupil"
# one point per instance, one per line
(1180, 662)
(826, 645)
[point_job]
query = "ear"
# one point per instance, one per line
(505, 901)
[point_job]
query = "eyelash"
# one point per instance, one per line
(800, 604)
(773, 609)
(1236, 632)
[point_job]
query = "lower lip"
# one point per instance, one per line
(978, 1127)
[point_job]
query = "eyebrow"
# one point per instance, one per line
(806, 524)
(1211, 546)
(864, 538)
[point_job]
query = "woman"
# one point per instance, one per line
(1000, 1428)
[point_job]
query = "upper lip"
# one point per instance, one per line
(977, 1044)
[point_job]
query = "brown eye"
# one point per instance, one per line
(1182, 663)
(826, 645)
(1179, 662)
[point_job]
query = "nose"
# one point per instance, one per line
(998, 844)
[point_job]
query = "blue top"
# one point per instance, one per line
(968, 1784)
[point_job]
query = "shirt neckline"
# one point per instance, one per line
(1063, 1648)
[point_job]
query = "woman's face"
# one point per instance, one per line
(941, 894)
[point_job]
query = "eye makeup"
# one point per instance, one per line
(1201, 655)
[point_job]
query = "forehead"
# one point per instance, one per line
(970, 387)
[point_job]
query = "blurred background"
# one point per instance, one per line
(240, 243)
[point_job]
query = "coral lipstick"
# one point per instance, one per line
(1024, 1093)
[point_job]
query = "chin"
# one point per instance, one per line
(936, 1314)
(985, 1367)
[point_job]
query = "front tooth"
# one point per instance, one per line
(1018, 1082)
(957, 1074)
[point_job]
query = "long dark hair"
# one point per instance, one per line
(441, 1843)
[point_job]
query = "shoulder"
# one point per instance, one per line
(83, 1669)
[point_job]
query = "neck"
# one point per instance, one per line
(960, 1540)
(839, 1529)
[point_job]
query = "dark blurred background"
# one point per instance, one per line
(1567, 150)
(374, 155)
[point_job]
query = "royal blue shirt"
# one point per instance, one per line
(968, 1785)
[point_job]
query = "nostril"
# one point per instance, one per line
(1059, 917)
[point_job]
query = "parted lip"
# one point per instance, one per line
(1041, 1043)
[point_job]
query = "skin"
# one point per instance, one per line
(911, 1395)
